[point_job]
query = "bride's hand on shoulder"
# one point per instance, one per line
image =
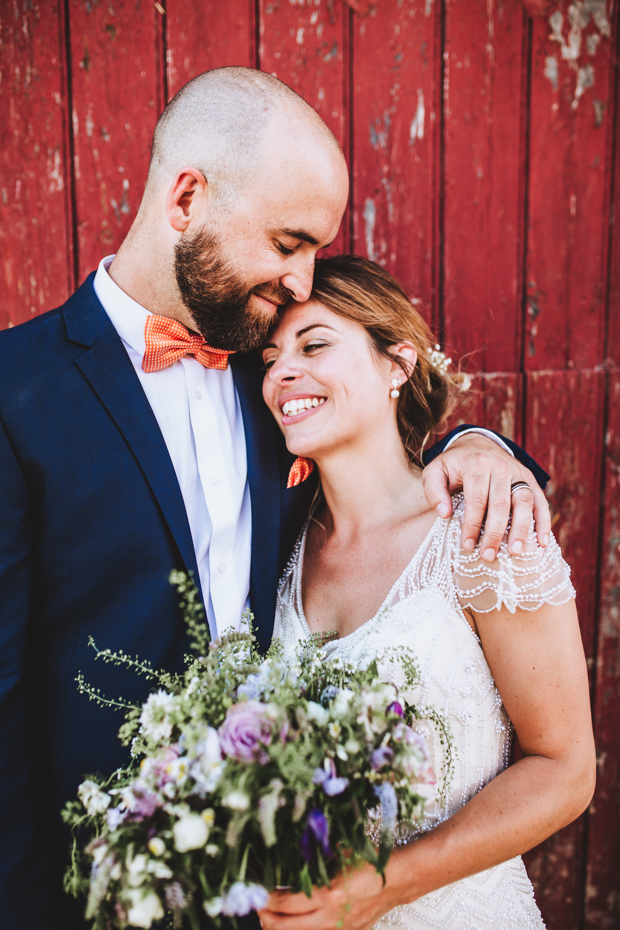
(486, 473)
(354, 902)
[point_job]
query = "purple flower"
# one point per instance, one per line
(328, 778)
(140, 801)
(245, 732)
(381, 757)
(316, 832)
(396, 708)
(389, 807)
(242, 898)
(175, 896)
(334, 786)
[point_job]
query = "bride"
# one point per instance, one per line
(498, 643)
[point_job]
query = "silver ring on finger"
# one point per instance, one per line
(517, 485)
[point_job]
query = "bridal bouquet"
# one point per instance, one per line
(246, 774)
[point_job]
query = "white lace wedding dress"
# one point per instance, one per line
(424, 611)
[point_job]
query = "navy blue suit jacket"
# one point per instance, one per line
(92, 521)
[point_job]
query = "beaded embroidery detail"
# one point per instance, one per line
(425, 610)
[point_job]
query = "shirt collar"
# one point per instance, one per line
(128, 317)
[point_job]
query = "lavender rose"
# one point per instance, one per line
(245, 732)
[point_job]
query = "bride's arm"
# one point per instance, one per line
(538, 665)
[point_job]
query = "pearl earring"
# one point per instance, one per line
(395, 392)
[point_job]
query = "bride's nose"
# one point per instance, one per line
(284, 370)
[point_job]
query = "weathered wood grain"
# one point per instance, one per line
(570, 137)
(602, 903)
(211, 34)
(306, 45)
(494, 400)
(117, 97)
(564, 432)
(612, 348)
(485, 71)
(35, 207)
(396, 66)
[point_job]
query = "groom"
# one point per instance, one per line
(122, 456)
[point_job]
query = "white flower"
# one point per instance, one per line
(212, 849)
(237, 801)
(208, 767)
(158, 868)
(318, 713)
(115, 817)
(340, 704)
(190, 832)
(143, 909)
(214, 906)
(178, 770)
(155, 716)
(136, 869)
(93, 798)
(157, 846)
(208, 815)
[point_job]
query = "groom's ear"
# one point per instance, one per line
(186, 199)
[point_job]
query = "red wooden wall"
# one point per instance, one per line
(484, 155)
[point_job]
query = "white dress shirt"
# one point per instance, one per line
(198, 412)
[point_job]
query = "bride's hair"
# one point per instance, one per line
(362, 291)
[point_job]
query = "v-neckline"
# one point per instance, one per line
(298, 575)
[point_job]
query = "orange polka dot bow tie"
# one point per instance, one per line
(167, 341)
(300, 470)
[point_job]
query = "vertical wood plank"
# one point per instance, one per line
(564, 431)
(569, 172)
(484, 137)
(211, 34)
(612, 349)
(602, 905)
(395, 78)
(305, 44)
(493, 401)
(35, 227)
(503, 404)
(117, 98)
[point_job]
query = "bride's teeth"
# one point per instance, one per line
(315, 402)
(308, 403)
(322, 401)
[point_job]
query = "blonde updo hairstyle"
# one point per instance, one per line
(364, 292)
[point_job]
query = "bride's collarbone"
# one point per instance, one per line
(345, 585)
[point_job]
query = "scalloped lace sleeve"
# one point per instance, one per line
(535, 577)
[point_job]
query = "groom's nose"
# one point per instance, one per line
(298, 279)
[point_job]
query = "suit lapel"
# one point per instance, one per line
(108, 370)
(261, 437)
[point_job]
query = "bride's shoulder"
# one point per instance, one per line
(538, 575)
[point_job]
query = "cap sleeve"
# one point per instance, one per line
(527, 581)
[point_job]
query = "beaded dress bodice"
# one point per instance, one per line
(425, 611)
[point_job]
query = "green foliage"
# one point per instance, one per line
(320, 719)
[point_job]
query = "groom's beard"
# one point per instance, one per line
(217, 299)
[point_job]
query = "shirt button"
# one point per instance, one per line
(221, 568)
(214, 481)
(197, 395)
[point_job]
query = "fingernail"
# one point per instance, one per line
(516, 547)
(469, 544)
(545, 540)
(442, 510)
(489, 555)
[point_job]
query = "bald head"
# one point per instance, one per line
(219, 123)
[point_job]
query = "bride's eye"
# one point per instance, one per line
(267, 364)
(312, 346)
